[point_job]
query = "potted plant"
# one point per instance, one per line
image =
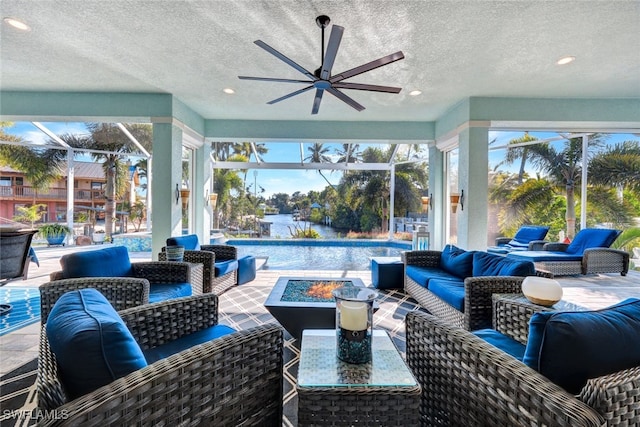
(98, 236)
(54, 233)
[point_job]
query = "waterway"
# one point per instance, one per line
(283, 224)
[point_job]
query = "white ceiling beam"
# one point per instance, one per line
(301, 154)
(393, 154)
(309, 166)
(255, 152)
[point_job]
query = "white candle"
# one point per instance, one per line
(354, 315)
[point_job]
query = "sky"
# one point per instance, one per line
(291, 180)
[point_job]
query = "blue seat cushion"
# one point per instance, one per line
(164, 291)
(541, 256)
(485, 264)
(246, 269)
(591, 238)
(225, 267)
(189, 241)
(456, 261)
(422, 275)
(503, 342)
(92, 345)
(571, 347)
(528, 233)
(448, 291)
(500, 250)
(173, 347)
(107, 262)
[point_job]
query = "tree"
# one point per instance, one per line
(40, 166)
(30, 214)
(618, 166)
(108, 137)
(562, 167)
(319, 155)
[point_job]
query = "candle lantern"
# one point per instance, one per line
(354, 323)
(420, 240)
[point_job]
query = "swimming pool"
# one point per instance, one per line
(318, 254)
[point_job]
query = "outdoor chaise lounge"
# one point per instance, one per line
(525, 239)
(167, 363)
(466, 381)
(15, 254)
(220, 262)
(588, 253)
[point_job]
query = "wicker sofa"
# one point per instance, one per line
(467, 381)
(457, 285)
(232, 380)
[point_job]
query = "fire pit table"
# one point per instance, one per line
(300, 303)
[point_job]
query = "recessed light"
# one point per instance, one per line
(415, 92)
(566, 60)
(15, 23)
(228, 90)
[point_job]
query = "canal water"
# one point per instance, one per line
(283, 224)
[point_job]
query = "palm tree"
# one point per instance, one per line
(618, 166)
(109, 138)
(319, 155)
(40, 166)
(561, 167)
(349, 153)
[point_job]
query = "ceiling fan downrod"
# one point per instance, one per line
(323, 22)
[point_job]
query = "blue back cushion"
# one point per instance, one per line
(485, 264)
(592, 238)
(190, 242)
(107, 262)
(456, 261)
(527, 233)
(571, 347)
(223, 267)
(92, 345)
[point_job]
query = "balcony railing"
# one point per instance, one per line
(22, 192)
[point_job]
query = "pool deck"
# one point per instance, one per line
(19, 347)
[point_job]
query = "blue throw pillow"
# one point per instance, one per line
(485, 264)
(527, 233)
(107, 262)
(92, 345)
(571, 347)
(457, 261)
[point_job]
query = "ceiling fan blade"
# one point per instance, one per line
(368, 67)
(269, 79)
(297, 92)
(332, 50)
(345, 98)
(285, 59)
(360, 86)
(316, 101)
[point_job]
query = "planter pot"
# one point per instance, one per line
(175, 253)
(55, 240)
(98, 237)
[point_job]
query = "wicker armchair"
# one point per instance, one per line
(151, 272)
(121, 292)
(232, 380)
(466, 381)
(208, 255)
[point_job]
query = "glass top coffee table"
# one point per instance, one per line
(333, 392)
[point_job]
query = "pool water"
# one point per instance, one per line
(317, 255)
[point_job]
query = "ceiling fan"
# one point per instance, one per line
(322, 79)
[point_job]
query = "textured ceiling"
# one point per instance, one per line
(194, 49)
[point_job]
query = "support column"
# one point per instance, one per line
(473, 172)
(166, 174)
(71, 177)
(438, 202)
(202, 186)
